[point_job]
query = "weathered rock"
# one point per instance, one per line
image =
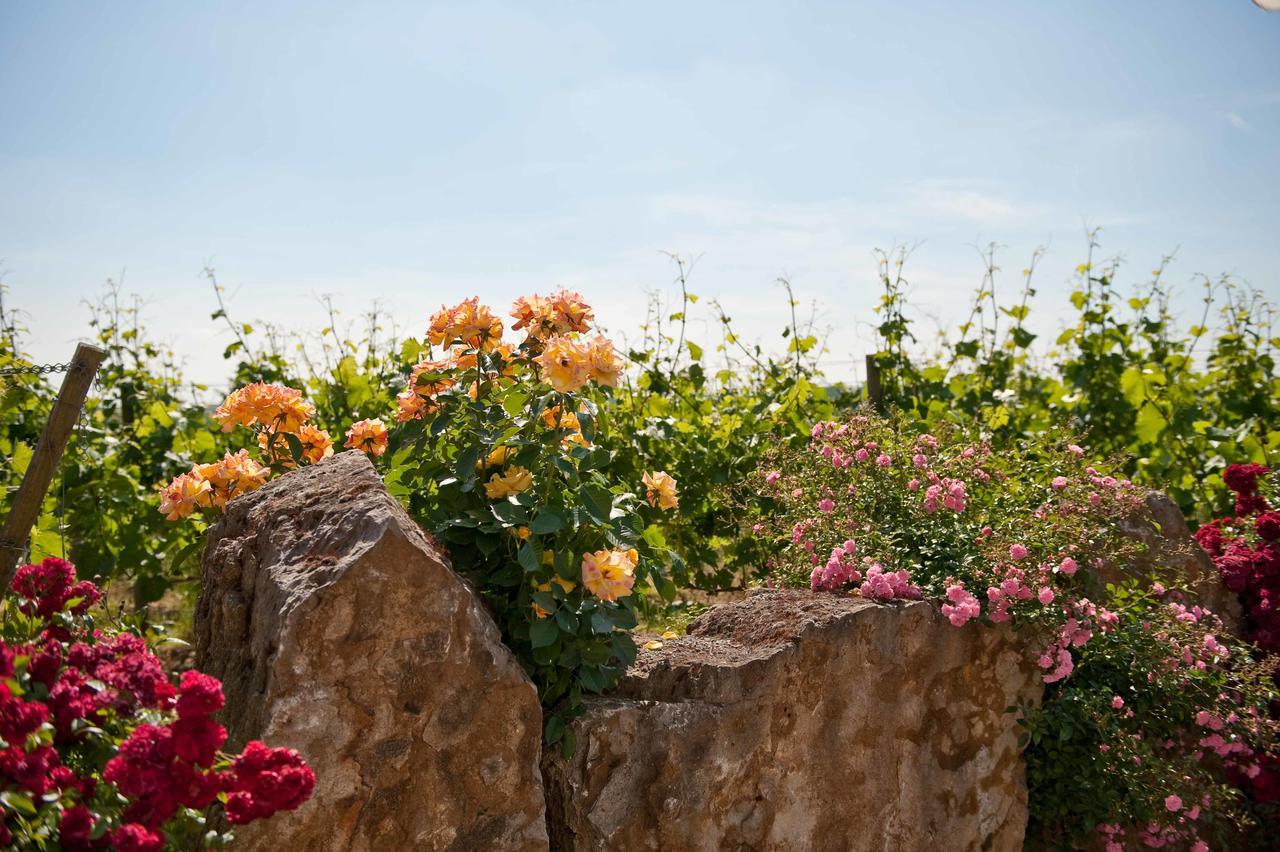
(792, 721)
(339, 630)
(1172, 553)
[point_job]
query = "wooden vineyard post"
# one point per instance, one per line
(875, 391)
(35, 483)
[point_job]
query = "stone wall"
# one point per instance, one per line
(799, 721)
(783, 721)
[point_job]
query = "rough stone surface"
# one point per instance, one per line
(339, 630)
(792, 721)
(1172, 552)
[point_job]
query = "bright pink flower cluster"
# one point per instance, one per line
(882, 585)
(961, 606)
(84, 680)
(840, 570)
(946, 492)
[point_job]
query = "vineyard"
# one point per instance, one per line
(594, 493)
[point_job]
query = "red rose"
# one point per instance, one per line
(198, 695)
(1243, 478)
(132, 837)
(44, 586)
(75, 829)
(196, 739)
(1268, 526)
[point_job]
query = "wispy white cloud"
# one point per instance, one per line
(1237, 121)
(963, 201)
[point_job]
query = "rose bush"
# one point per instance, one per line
(497, 449)
(278, 416)
(99, 750)
(1150, 712)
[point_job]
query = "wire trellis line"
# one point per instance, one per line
(34, 370)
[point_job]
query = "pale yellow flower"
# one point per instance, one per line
(661, 489)
(512, 481)
(609, 574)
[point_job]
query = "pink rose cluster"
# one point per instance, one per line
(961, 606)
(1075, 632)
(945, 492)
(840, 569)
(882, 585)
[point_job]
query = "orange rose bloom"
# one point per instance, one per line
(368, 436)
(233, 475)
(275, 407)
(469, 322)
(565, 364)
(184, 495)
(548, 316)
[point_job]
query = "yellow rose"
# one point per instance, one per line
(609, 574)
(606, 366)
(498, 456)
(513, 481)
(661, 488)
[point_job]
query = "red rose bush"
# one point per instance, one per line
(99, 750)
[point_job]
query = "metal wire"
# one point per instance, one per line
(35, 369)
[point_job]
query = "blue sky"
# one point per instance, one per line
(415, 153)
